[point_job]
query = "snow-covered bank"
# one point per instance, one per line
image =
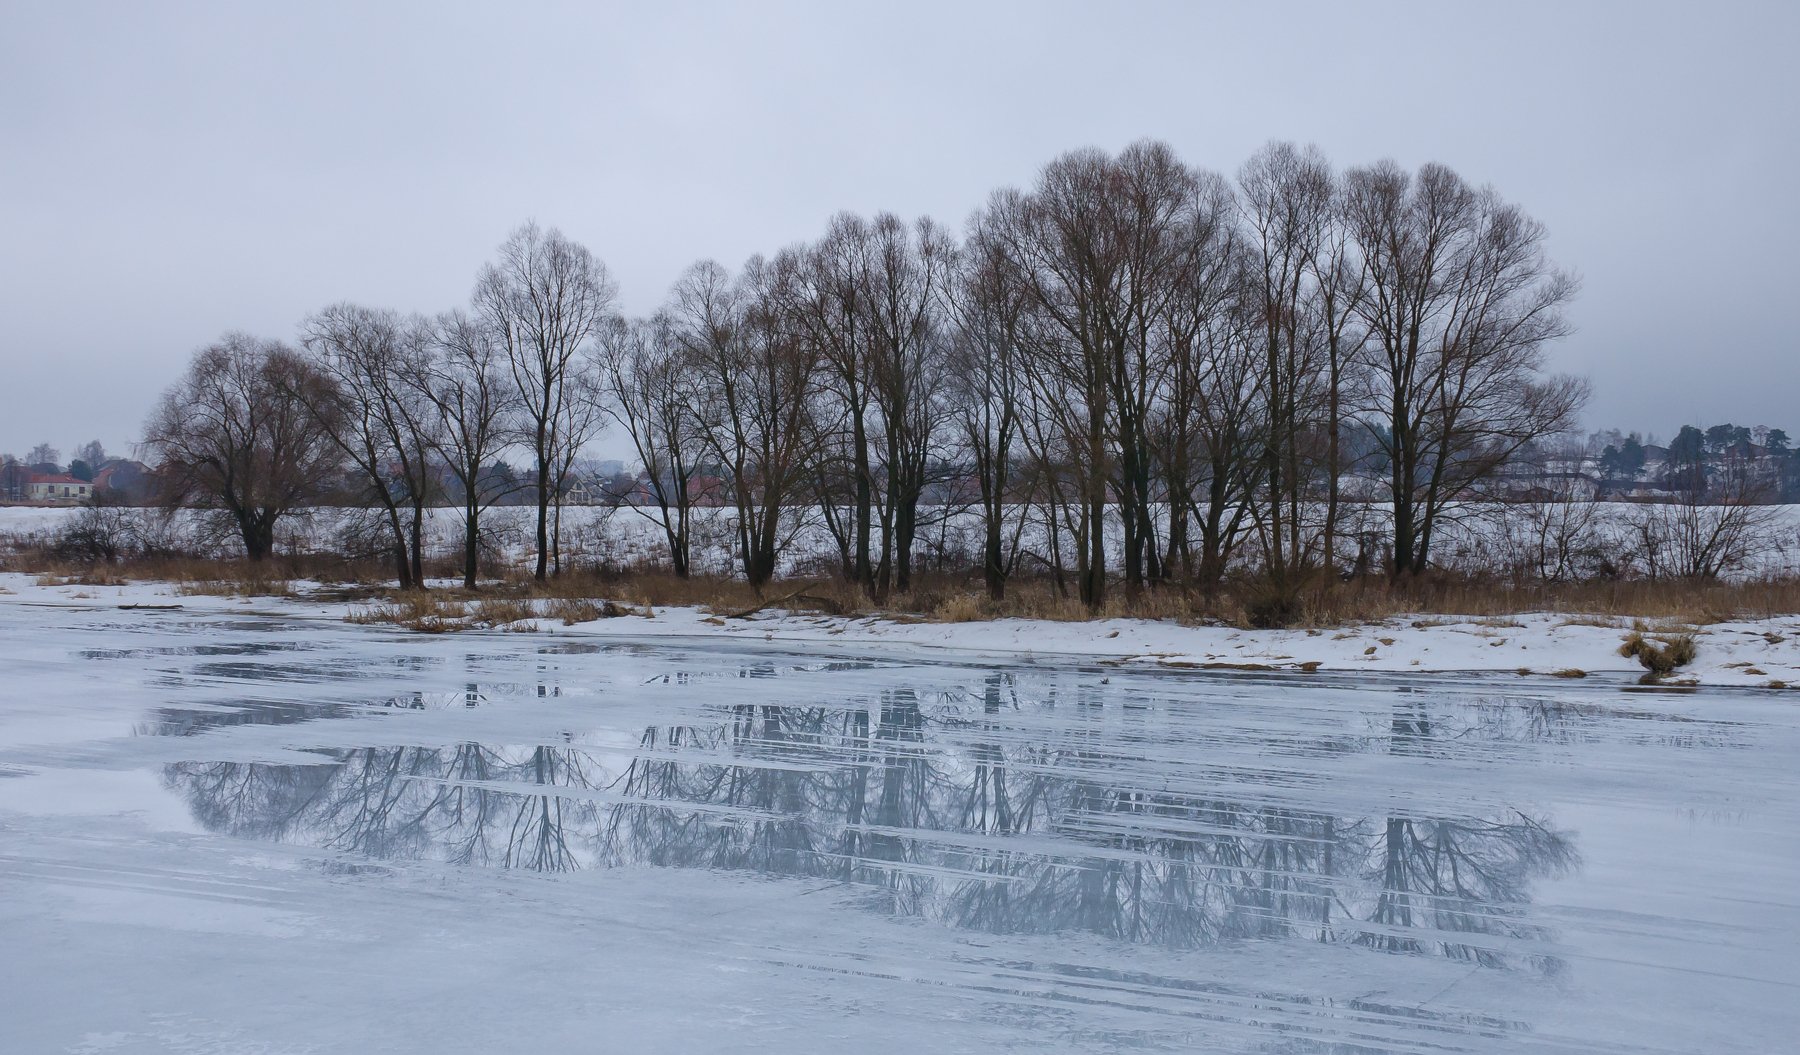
(1748, 654)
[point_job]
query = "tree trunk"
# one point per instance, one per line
(471, 542)
(542, 571)
(418, 543)
(993, 567)
(556, 532)
(1093, 581)
(862, 572)
(905, 528)
(259, 536)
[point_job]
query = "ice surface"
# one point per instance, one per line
(231, 833)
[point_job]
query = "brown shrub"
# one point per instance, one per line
(1659, 661)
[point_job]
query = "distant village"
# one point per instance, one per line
(1721, 463)
(90, 476)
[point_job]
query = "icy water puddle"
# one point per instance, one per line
(255, 835)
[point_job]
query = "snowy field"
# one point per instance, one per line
(1483, 538)
(248, 827)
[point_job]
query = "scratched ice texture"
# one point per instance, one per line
(254, 834)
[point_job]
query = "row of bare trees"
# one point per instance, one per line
(1129, 345)
(258, 428)
(1153, 369)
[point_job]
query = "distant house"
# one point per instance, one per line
(124, 479)
(581, 492)
(57, 487)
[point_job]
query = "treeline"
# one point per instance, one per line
(1723, 462)
(1131, 341)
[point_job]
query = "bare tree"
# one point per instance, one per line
(378, 416)
(1460, 305)
(1153, 206)
(43, 455)
(987, 389)
(237, 433)
(907, 282)
(758, 377)
(1206, 430)
(467, 383)
(1340, 286)
(829, 304)
(1555, 534)
(1705, 533)
(545, 298)
(1102, 243)
(1287, 194)
(581, 417)
(1061, 252)
(651, 397)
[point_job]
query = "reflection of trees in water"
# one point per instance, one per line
(466, 804)
(1436, 879)
(947, 812)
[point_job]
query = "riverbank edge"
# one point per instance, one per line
(1748, 654)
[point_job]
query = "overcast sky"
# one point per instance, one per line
(172, 171)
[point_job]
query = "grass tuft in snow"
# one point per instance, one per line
(1659, 660)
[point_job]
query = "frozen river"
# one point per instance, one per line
(258, 834)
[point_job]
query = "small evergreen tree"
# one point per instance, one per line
(1687, 460)
(1631, 456)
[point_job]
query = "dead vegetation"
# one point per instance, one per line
(582, 595)
(1659, 656)
(573, 610)
(1494, 604)
(431, 614)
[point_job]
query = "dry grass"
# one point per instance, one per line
(421, 612)
(954, 598)
(1659, 660)
(1602, 622)
(962, 608)
(510, 609)
(572, 610)
(501, 612)
(83, 577)
(437, 614)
